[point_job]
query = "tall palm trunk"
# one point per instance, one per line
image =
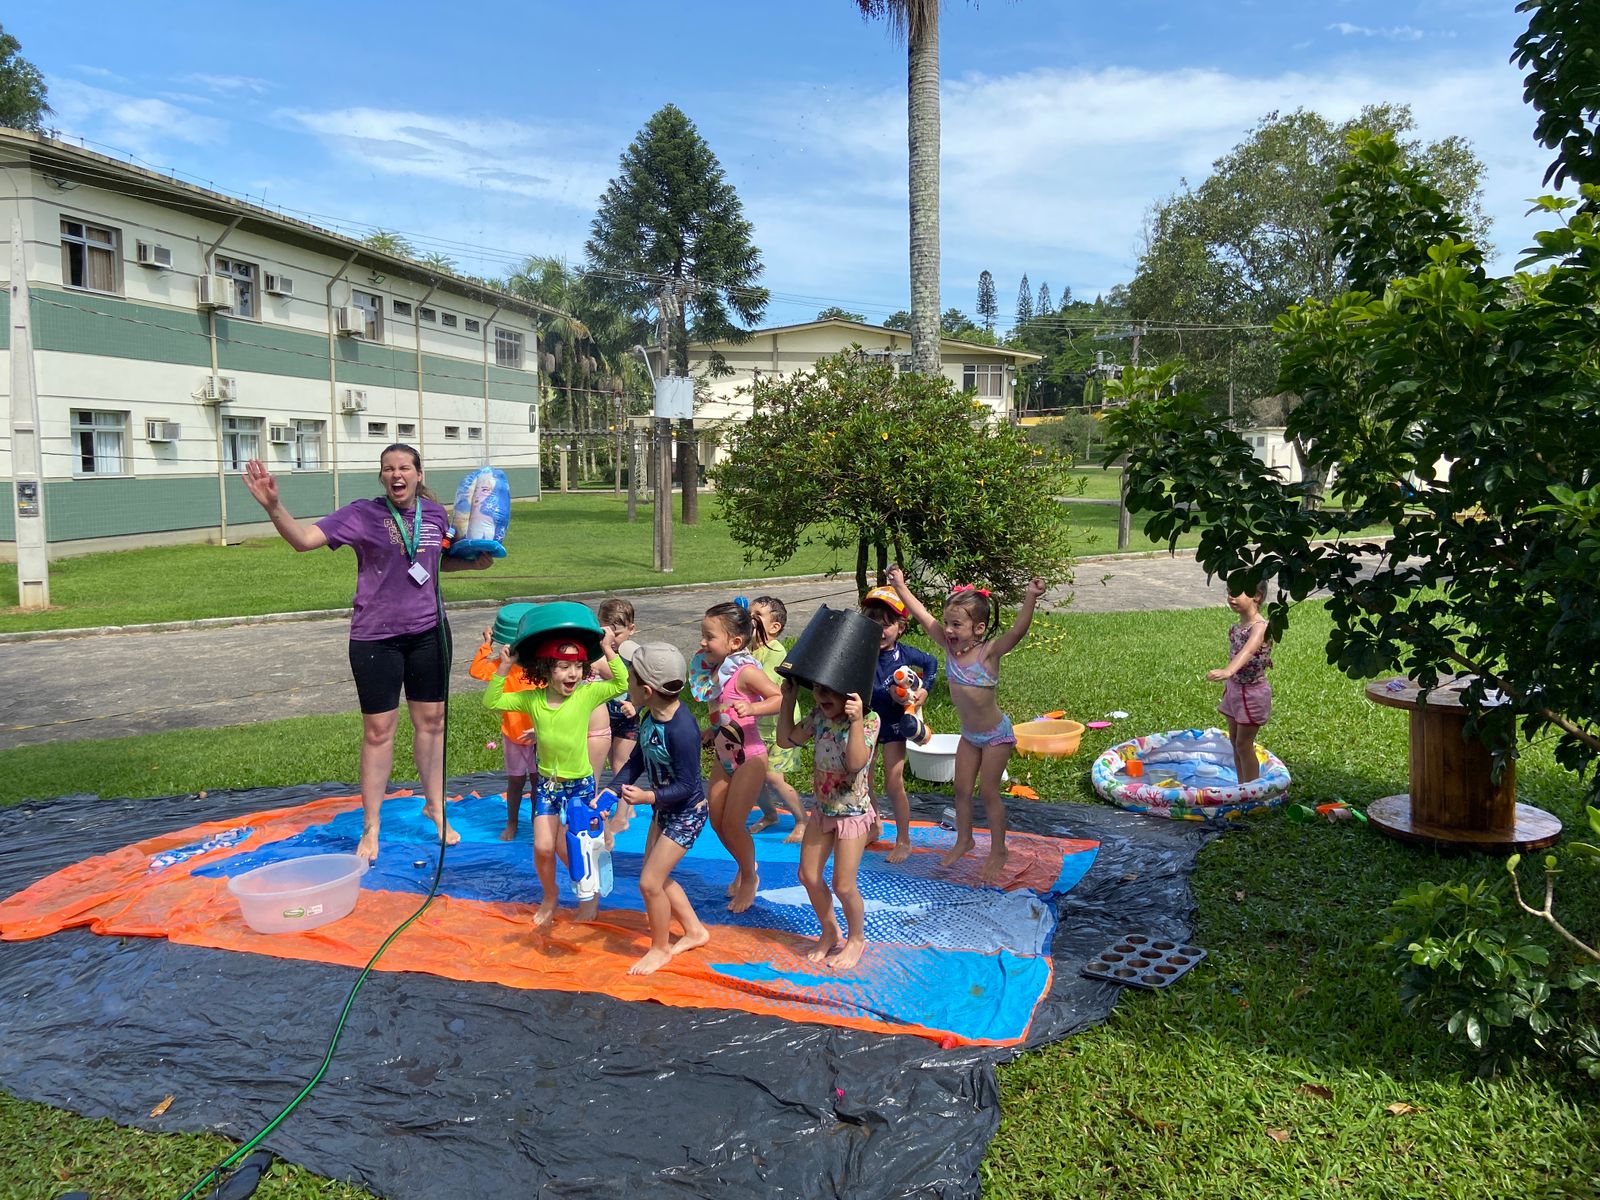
(922, 126)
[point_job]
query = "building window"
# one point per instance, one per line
(308, 445)
(448, 320)
(475, 433)
(241, 441)
(100, 442)
(507, 348)
(373, 307)
(378, 429)
(452, 433)
(88, 256)
(406, 431)
(402, 308)
(473, 326)
(243, 275)
(987, 380)
(428, 314)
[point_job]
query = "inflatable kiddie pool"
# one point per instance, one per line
(1187, 774)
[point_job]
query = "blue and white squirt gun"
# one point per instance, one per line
(588, 859)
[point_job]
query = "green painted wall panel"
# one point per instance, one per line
(75, 322)
(90, 508)
(270, 349)
(8, 517)
(5, 318)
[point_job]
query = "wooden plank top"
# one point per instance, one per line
(1398, 692)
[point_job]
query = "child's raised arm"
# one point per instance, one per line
(857, 754)
(786, 722)
(931, 627)
(1019, 628)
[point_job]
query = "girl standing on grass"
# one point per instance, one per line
(1247, 698)
(842, 821)
(740, 692)
(768, 615)
(972, 669)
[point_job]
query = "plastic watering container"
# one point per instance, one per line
(299, 894)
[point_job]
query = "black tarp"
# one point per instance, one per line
(441, 1088)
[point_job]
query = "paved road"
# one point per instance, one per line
(61, 689)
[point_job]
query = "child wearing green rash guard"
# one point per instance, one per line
(560, 715)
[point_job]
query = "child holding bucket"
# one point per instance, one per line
(845, 733)
(666, 760)
(560, 718)
(516, 730)
(738, 693)
(768, 615)
(972, 669)
(1247, 698)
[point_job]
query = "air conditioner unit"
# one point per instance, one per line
(160, 431)
(280, 435)
(355, 399)
(219, 389)
(279, 285)
(352, 319)
(152, 255)
(216, 291)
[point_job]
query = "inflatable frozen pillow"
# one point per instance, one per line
(482, 514)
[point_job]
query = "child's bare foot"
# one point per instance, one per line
(875, 834)
(956, 853)
(509, 833)
(546, 913)
(827, 944)
(435, 813)
(745, 895)
(652, 960)
(901, 851)
(797, 834)
(367, 848)
(765, 823)
(848, 956)
(994, 867)
(738, 878)
(588, 909)
(691, 939)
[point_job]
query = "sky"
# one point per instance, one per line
(488, 134)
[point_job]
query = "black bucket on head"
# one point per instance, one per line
(838, 649)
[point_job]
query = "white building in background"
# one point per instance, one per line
(179, 332)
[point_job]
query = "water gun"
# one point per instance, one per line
(904, 685)
(588, 860)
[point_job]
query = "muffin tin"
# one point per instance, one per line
(1140, 961)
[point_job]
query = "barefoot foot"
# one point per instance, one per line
(436, 815)
(763, 823)
(827, 944)
(508, 834)
(692, 939)
(848, 956)
(745, 895)
(367, 848)
(994, 867)
(875, 834)
(797, 834)
(653, 960)
(901, 852)
(734, 886)
(956, 853)
(588, 909)
(546, 913)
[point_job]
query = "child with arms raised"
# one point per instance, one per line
(740, 692)
(889, 612)
(841, 822)
(560, 717)
(516, 729)
(666, 759)
(972, 669)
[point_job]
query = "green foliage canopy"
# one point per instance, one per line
(23, 95)
(855, 454)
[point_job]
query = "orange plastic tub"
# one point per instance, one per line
(1051, 737)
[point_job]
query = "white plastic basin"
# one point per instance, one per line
(299, 894)
(936, 762)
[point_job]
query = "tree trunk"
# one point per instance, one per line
(883, 563)
(861, 566)
(922, 131)
(689, 472)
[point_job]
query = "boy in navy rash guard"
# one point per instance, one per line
(667, 758)
(886, 608)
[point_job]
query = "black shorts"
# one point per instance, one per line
(415, 661)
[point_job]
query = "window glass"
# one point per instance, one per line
(241, 441)
(243, 275)
(308, 445)
(89, 256)
(507, 348)
(100, 442)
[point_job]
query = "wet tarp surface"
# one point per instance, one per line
(457, 1087)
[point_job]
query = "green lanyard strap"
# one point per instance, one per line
(410, 543)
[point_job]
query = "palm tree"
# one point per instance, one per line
(916, 22)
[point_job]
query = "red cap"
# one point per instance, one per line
(561, 648)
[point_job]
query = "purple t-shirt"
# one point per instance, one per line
(388, 601)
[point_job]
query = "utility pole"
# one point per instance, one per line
(661, 558)
(33, 556)
(633, 470)
(1124, 518)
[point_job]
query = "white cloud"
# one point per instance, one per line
(228, 84)
(138, 125)
(1399, 33)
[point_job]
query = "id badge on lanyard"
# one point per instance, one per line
(418, 572)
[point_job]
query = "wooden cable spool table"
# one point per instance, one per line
(1455, 801)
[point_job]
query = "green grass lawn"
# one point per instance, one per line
(1291, 1029)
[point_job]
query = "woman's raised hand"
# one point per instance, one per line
(261, 484)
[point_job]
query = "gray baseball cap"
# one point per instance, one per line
(659, 665)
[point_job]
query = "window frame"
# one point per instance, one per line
(472, 325)
(112, 247)
(93, 427)
(505, 340)
(401, 308)
(452, 433)
(246, 278)
(449, 320)
(972, 373)
(233, 429)
(474, 433)
(370, 303)
(378, 429)
(405, 431)
(308, 430)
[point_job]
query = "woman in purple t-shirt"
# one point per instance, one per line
(396, 638)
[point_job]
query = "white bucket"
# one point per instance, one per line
(300, 893)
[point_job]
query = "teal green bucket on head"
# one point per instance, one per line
(507, 621)
(562, 616)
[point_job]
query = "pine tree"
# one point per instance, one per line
(1024, 302)
(1041, 307)
(988, 307)
(671, 238)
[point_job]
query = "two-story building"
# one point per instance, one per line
(178, 333)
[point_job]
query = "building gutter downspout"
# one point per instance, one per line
(211, 335)
(333, 381)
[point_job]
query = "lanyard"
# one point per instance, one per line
(410, 543)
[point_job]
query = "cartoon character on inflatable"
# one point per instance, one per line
(481, 515)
